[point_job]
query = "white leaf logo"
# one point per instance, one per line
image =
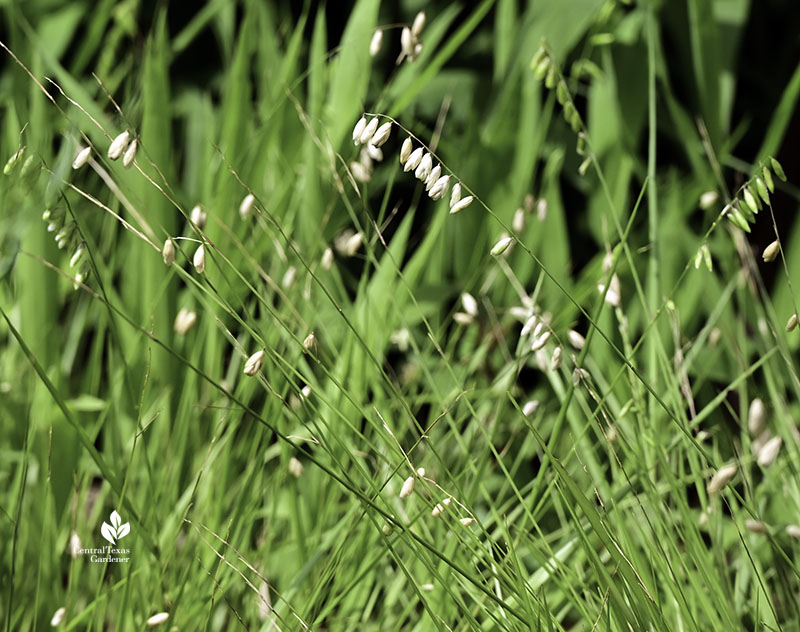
(116, 530)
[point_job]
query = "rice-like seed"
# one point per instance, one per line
(722, 477)
(750, 200)
(254, 362)
(375, 42)
(369, 131)
(77, 255)
(466, 521)
(530, 324)
(501, 246)
(424, 167)
(613, 295)
(75, 545)
(791, 324)
(414, 159)
(760, 441)
(580, 375)
(310, 341)
(405, 150)
(530, 407)
(199, 259)
(353, 243)
(463, 318)
(157, 619)
(518, 223)
(438, 510)
(184, 321)
(576, 339)
(58, 617)
(793, 531)
(327, 259)
(408, 487)
(555, 361)
(771, 251)
(382, 134)
(761, 188)
(387, 529)
(246, 207)
(358, 130)
(540, 342)
(417, 51)
(406, 43)
(12, 162)
(755, 526)
(769, 452)
(469, 303)
(439, 188)
(461, 204)
(130, 154)
(455, 195)
(198, 216)
(418, 25)
(305, 392)
(295, 467)
(433, 176)
(82, 157)
(756, 417)
(289, 277)
(541, 210)
(118, 145)
(374, 153)
(168, 252)
(360, 172)
(708, 199)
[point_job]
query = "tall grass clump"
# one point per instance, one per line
(470, 316)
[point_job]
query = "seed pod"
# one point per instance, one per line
(722, 477)
(584, 166)
(791, 324)
(756, 417)
(750, 200)
(433, 176)
(82, 157)
(130, 154)
(382, 134)
(408, 487)
(405, 150)
(295, 467)
(737, 219)
(455, 195)
(414, 159)
(58, 617)
(769, 452)
(439, 188)
(555, 361)
(369, 131)
(469, 303)
(767, 174)
(118, 145)
(358, 130)
(327, 259)
(418, 25)
(406, 43)
(762, 190)
(466, 521)
(198, 216)
(576, 339)
(501, 246)
(310, 342)
(777, 169)
(551, 78)
(793, 531)
(562, 92)
(184, 321)
(12, 162)
(77, 255)
(461, 204)
(540, 54)
(157, 619)
(755, 526)
(375, 43)
(541, 68)
(530, 407)
(771, 251)
(246, 207)
(168, 252)
(254, 362)
(199, 259)
(423, 170)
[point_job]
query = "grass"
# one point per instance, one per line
(272, 502)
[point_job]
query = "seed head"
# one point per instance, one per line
(469, 303)
(414, 159)
(353, 243)
(793, 531)
(455, 196)
(374, 153)
(463, 319)
(198, 216)
(406, 43)
(130, 154)
(418, 25)
(310, 342)
(382, 134)
(438, 510)
(755, 526)
(82, 157)
(708, 199)
(184, 321)
(12, 162)
(756, 417)
(408, 487)
(58, 617)
(424, 168)
(576, 339)
(246, 207)
(540, 341)
(791, 323)
(530, 407)
(439, 188)
(254, 362)
(327, 259)
(555, 361)
(750, 200)
(199, 259)
(118, 145)
(157, 619)
(722, 477)
(289, 277)
(777, 169)
(295, 467)
(769, 452)
(358, 130)
(466, 521)
(405, 150)
(771, 251)
(433, 176)
(461, 204)
(518, 223)
(501, 246)
(360, 172)
(369, 131)
(375, 42)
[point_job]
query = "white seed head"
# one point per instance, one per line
(541, 210)
(289, 277)
(375, 42)
(518, 223)
(793, 531)
(82, 157)
(360, 172)
(246, 207)
(771, 251)
(791, 323)
(405, 150)
(463, 319)
(157, 619)
(722, 477)
(310, 342)
(254, 362)
(199, 259)
(382, 134)
(540, 341)
(438, 510)
(576, 339)
(418, 25)
(58, 617)
(374, 153)
(184, 321)
(406, 42)
(756, 417)
(295, 467)
(369, 131)
(420, 471)
(501, 246)
(327, 259)
(461, 204)
(530, 324)
(466, 521)
(455, 195)
(305, 392)
(530, 407)
(439, 188)
(417, 51)
(755, 526)
(75, 545)
(769, 452)
(414, 159)
(433, 176)
(580, 375)
(708, 199)
(358, 130)
(118, 145)
(555, 361)
(168, 252)
(760, 441)
(424, 167)
(408, 487)
(446, 502)
(198, 216)
(613, 295)
(353, 243)
(130, 154)
(469, 303)
(77, 255)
